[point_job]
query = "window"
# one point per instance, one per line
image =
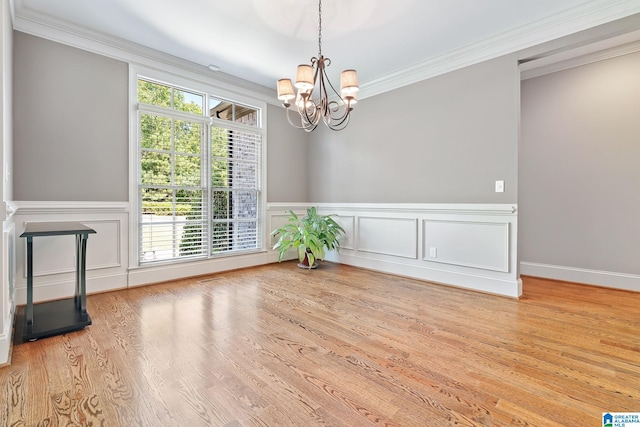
(199, 186)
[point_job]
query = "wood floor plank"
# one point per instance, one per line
(339, 346)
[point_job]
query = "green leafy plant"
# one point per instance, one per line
(310, 235)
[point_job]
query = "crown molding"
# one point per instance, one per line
(12, 11)
(580, 56)
(37, 24)
(588, 15)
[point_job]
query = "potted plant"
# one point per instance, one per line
(310, 235)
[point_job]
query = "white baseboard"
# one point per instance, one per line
(458, 279)
(609, 279)
(165, 272)
(6, 338)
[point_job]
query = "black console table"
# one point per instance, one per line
(57, 317)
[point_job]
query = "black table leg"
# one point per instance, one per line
(82, 271)
(29, 308)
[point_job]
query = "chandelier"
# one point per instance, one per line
(316, 98)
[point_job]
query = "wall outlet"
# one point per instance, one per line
(433, 253)
(500, 186)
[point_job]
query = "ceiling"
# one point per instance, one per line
(263, 40)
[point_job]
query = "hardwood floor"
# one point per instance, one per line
(340, 346)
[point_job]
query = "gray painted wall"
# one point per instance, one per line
(579, 175)
(443, 140)
(70, 123)
(71, 129)
(287, 148)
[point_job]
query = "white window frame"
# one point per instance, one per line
(208, 89)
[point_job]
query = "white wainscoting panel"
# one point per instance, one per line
(104, 249)
(397, 237)
(348, 223)
(277, 220)
(476, 244)
(54, 256)
(482, 245)
(278, 214)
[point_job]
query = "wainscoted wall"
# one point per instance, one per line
(54, 257)
(111, 263)
(472, 246)
(6, 298)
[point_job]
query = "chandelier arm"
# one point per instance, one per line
(322, 88)
(343, 120)
(317, 108)
(339, 104)
(309, 104)
(341, 124)
(335, 121)
(339, 113)
(314, 117)
(305, 126)
(334, 89)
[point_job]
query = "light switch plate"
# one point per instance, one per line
(500, 186)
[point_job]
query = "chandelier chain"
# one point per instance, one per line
(319, 28)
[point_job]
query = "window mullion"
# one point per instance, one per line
(206, 184)
(182, 115)
(225, 124)
(174, 191)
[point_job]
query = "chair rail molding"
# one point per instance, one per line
(50, 207)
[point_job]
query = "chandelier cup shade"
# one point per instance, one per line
(304, 77)
(285, 90)
(349, 82)
(316, 99)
